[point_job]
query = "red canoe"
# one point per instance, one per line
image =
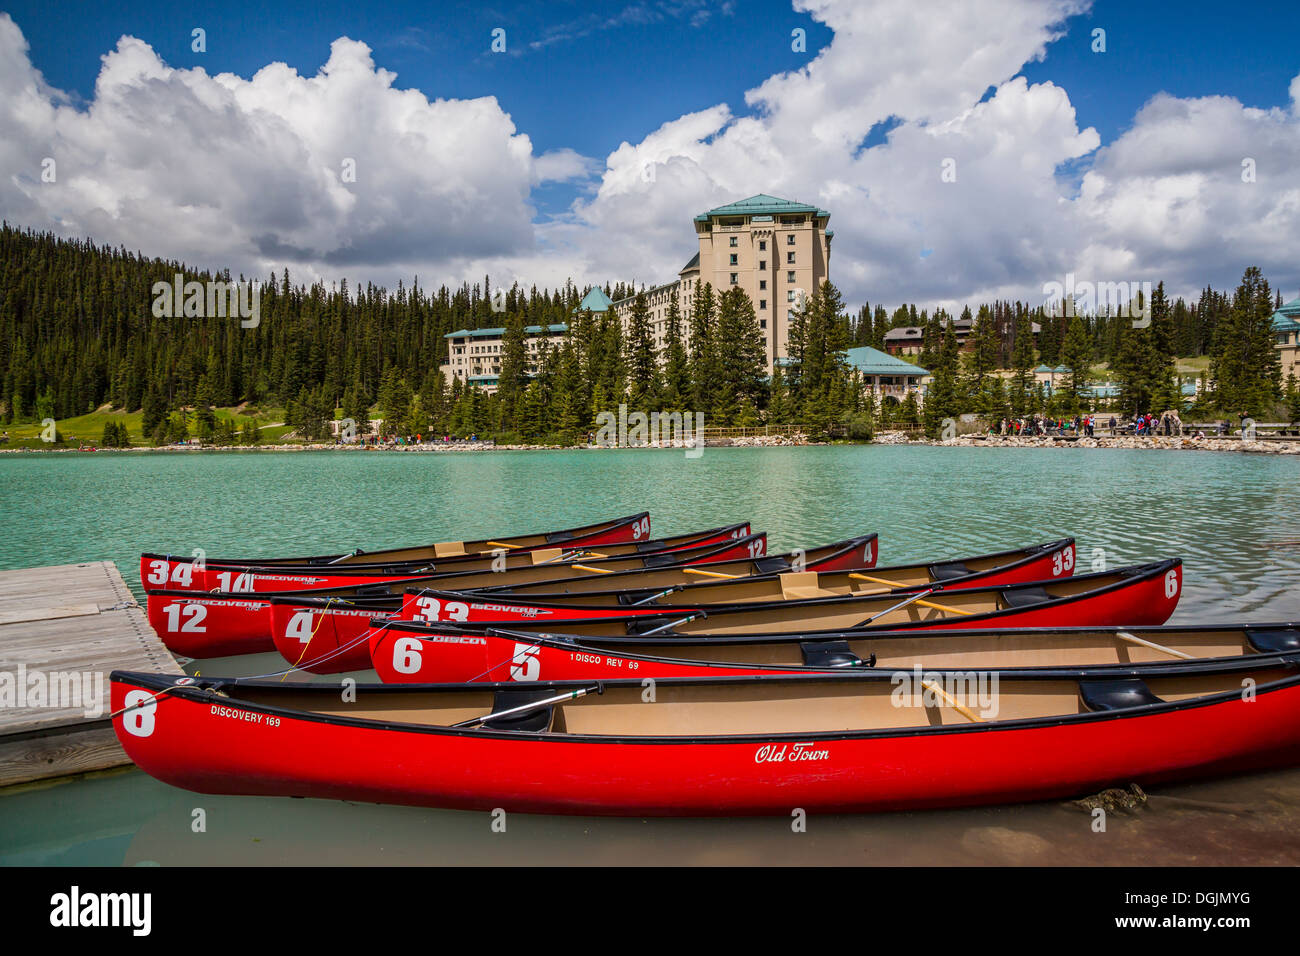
(1141, 595)
(1144, 594)
(720, 585)
(222, 624)
(165, 571)
(416, 653)
(317, 635)
(748, 745)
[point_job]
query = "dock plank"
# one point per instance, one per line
(65, 628)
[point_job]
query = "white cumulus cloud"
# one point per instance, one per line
(253, 172)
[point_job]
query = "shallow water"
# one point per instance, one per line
(1233, 518)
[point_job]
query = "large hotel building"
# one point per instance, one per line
(777, 250)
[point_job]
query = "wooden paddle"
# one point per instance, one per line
(895, 584)
(940, 692)
(711, 574)
(1134, 639)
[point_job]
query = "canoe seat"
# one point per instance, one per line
(949, 570)
(658, 560)
(771, 565)
(555, 536)
(827, 653)
(1273, 640)
(1025, 597)
(1115, 694)
(366, 590)
(449, 549)
(638, 598)
(533, 721)
(798, 586)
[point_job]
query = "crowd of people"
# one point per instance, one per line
(1081, 426)
(391, 441)
(1038, 425)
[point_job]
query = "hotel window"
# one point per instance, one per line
(789, 296)
(789, 239)
(789, 258)
(762, 305)
(762, 285)
(762, 323)
(733, 278)
(762, 265)
(734, 242)
(789, 277)
(762, 246)
(734, 259)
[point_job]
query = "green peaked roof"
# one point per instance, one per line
(1288, 317)
(871, 361)
(595, 301)
(500, 331)
(761, 205)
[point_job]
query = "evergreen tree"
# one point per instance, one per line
(1076, 355)
(703, 363)
(740, 359)
(514, 376)
(1022, 364)
(943, 400)
(982, 359)
(676, 374)
(1244, 367)
(642, 364)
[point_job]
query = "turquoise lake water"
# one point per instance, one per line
(1233, 518)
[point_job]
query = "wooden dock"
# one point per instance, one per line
(62, 631)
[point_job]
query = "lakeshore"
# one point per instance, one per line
(1264, 446)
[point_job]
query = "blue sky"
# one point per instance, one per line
(589, 78)
(588, 75)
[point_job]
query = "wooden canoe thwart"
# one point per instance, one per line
(219, 624)
(184, 572)
(871, 740)
(405, 652)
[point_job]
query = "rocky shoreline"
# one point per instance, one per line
(1170, 443)
(1173, 443)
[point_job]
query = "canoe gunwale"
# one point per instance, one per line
(209, 691)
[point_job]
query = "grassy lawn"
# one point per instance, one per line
(90, 428)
